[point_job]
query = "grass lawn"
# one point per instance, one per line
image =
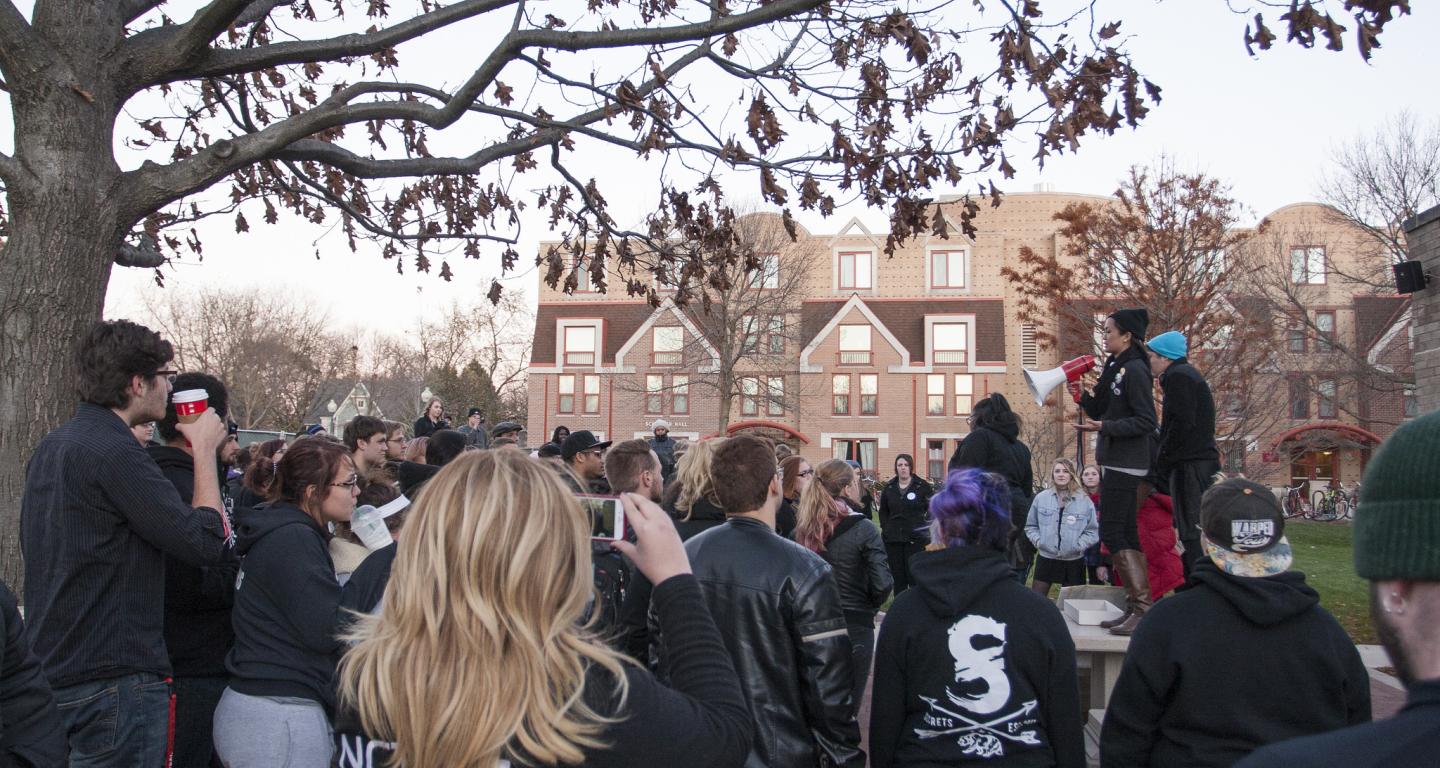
(1322, 553)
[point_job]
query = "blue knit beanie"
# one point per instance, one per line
(1169, 344)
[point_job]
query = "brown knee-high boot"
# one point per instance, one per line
(1132, 567)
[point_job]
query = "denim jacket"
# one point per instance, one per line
(1062, 534)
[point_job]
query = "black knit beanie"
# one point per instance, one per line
(1134, 321)
(1397, 525)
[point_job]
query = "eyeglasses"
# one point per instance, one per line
(399, 440)
(352, 483)
(598, 452)
(168, 374)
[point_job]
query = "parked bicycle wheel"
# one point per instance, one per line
(1292, 507)
(1343, 510)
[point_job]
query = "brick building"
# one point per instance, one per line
(881, 356)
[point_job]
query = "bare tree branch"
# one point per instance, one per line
(131, 10)
(216, 62)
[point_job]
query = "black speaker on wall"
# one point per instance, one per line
(1410, 277)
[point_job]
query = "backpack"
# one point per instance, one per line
(612, 579)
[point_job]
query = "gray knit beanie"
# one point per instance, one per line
(1397, 525)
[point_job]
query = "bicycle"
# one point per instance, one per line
(1294, 504)
(1330, 505)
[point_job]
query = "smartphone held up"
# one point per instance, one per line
(607, 516)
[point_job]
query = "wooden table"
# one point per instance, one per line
(1106, 654)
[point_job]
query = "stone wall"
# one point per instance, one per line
(1422, 234)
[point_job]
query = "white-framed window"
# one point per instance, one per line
(768, 275)
(654, 394)
(1307, 265)
(680, 394)
(950, 342)
(855, 270)
(869, 394)
(964, 393)
(592, 393)
(668, 341)
(566, 388)
(775, 386)
(854, 345)
(948, 269)
(581, 344)
(935, 394)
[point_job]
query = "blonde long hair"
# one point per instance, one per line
(478, 654)
(1075, 488)
(820, 505)
(694, 476)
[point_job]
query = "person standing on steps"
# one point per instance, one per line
(1121, 409)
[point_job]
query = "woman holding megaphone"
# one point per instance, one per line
(1121, 409)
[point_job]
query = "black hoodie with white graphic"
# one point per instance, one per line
(1228, 665)
(972, 668)
(286, 605)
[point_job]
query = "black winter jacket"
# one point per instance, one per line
(1411, 737)
(778, 612)
(197, 597)
(856, 555)
(703, 516)
(424, 427)
(1000, 451)
(1228, 665)
(905, 514)
(30, 726)
(1187, 417)
(286, 606)
(972, 668)
(1124, 403)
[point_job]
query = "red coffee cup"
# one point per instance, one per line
(190, 404)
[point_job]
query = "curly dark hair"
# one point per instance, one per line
(113, 352)
(219, 400)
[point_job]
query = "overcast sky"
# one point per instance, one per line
(1266, 125)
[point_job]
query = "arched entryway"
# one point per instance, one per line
(1324, 454)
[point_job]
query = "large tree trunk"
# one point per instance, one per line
(64, 231)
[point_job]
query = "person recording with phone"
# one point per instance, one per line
(569, 699)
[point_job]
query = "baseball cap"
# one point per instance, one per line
(584, 440)
(475, 412)
(1243, 529)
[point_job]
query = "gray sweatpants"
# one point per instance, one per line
(271, 732)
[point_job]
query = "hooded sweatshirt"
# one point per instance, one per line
(972, 668)
(1228, 665)
(286, 603)
(197, 598)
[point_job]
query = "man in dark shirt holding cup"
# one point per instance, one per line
(96, 521)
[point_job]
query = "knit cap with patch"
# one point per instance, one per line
(1397, 524)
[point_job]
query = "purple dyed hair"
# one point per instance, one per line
(971, 509)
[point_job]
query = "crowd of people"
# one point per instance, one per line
(446, 598)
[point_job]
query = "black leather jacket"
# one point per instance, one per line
(778, 611)
(862, 572)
